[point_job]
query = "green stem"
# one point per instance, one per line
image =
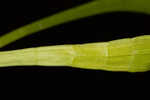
(46, 56)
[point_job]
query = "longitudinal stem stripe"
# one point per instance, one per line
(61, 55)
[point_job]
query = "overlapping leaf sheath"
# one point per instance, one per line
(129, 54)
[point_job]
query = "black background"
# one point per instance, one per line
(99, 28)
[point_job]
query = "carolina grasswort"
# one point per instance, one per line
(129, 54)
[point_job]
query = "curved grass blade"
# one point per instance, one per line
(92, 8)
